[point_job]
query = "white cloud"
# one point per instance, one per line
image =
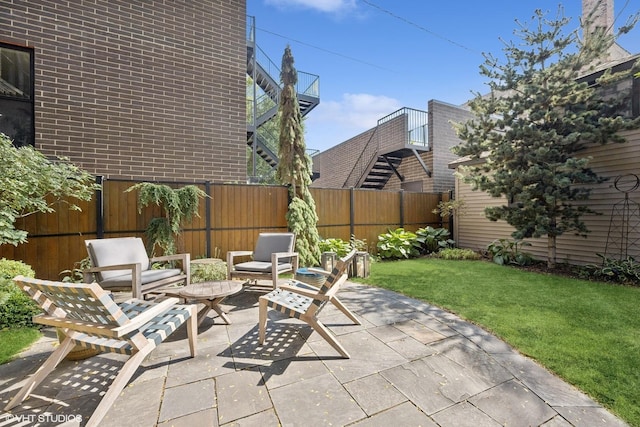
(330, 6)
(357, 110)
(333, 122)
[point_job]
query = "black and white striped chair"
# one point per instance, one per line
(302, 301)
(90, 318)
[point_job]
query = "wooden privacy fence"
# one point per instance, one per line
(229, 219)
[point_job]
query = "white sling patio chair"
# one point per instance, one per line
(273, 255)
(122, 264)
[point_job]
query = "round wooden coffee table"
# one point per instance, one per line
(211, 295)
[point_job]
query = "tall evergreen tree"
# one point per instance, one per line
(294, 168)
(534, 125)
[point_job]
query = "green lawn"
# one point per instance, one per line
(586, 332)
(15, 340)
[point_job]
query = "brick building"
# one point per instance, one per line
(151, 90)
(409, 150)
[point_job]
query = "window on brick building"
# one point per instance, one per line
(16, 94)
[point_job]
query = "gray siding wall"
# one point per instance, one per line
(474, 231)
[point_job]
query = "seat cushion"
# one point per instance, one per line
(269, 243)
(148, 276)
(121, 250)
(261, 267)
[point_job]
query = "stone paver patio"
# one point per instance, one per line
(411, 364)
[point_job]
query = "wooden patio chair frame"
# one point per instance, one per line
(89, 317)
(302, 301)
(270, 269)
(138, 286)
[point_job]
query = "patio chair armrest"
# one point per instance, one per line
(279, 255)
(301, 285)
(75, 325)
(304, 292)
(319, 271)
(155, 309)
(230, 256)
(293, 258)
(136, 274)
(112, 267)
(233, 254)
(185, 258)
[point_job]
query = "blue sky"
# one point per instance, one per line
(376, 56)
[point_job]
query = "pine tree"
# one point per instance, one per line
(294, 167)
(535, 123)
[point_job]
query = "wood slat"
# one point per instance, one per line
(474, 231)
(238, 214)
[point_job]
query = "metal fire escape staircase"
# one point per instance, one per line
(265, 97)
(387, 148)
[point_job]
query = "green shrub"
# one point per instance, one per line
(16, 308)
(434, 239)
(626, 271)
(339, 246)
(398, 244)
(75, 274)
(359, 244)
(505, 251)
(457, 253)
(209, 271)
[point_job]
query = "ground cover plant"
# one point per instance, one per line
(17, 331)
(15, 340)
(586, 332)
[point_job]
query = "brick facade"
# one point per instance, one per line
(442, 116)
(134, 89)
(335, 164)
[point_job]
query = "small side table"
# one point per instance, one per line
(309, 277)
(211, 295)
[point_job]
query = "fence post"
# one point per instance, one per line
(451, 230)
(207, 220)
(100, 207)
(352, 213)
(401, 208)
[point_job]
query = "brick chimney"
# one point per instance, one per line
(599, 13)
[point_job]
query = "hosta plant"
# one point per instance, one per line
(434, 239)
(505, 251)
(397, 244)
(338, 246)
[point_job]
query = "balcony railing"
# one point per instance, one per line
(308, 84)
(417, 125)
(417, 134)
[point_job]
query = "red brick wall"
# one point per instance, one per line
(138, 89)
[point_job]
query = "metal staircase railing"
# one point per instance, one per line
(270, 141)
(366, 159)
(267, 73)
(265, 99)
(417, 135)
